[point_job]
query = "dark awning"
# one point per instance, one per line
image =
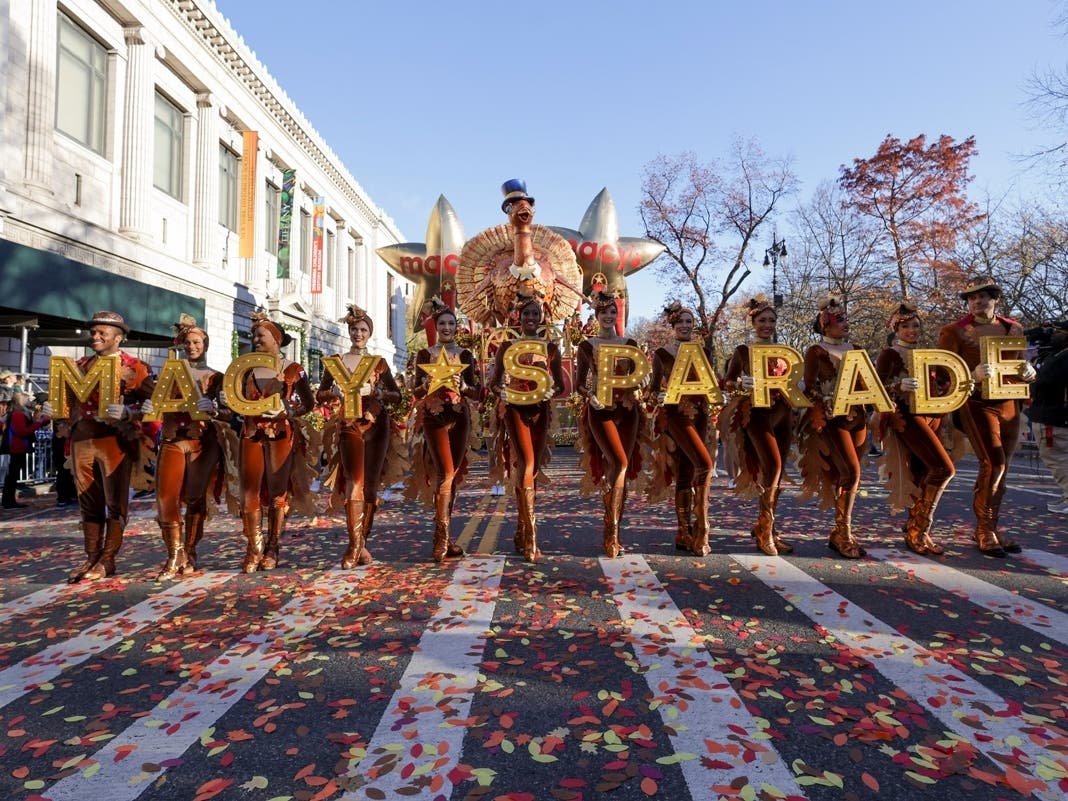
(66, 293)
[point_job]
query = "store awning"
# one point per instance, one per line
(66, 293)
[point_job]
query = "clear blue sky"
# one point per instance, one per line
(421, 99)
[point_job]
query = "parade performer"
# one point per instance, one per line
(271, 446)
(609, 435)
(357, 449)
(683, 432)
(105, 448)
(525, 447)
(758, 438)
(830, 446)
(919, 468)
(992, 426)
(442, 431)
(189, 454)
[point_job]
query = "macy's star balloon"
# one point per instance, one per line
(430, 266)
(605, 257)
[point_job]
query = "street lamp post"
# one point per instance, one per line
(771, 258)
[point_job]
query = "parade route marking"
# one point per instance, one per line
(966, 706)
(35, 600)
(1054, 563)
(177, 721)
(468, 532)
(679, 664)
(488, 544)
(25, 676)
(1040, 618)
(418, 740)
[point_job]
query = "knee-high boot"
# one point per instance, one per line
(253, 529)
(1008, 545)
(354, 526)
(699, 542)
(931, 497)
(369, 509)
(441, 526)
(105, 565)
(452, 549)
(841, 540)
(985, 537)
(683, 512)
(93, 533)
(172, 539)
(520, 538)
(781, 545)
(763, 531)
(276, 525)
(529, 523)
(194, 533)
(610, 540)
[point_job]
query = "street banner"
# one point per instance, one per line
(285, 221)
(246, 218)
(317, 245)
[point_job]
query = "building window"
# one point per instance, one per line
(229, 186)
(390, 289)
(170, 125)
(81, 83)
(271, 211)
(305, 242)
(351, 272)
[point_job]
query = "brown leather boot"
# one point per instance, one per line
(781, 545)
(529, 523)
(841, 540)
(93, 534)
(699, 541)
(985, 537)
(764, 528)
(683, 513)
(172, 539)
(925, 520)
(253, 531)
(354, 528)
(1008, 545)
(452, 548)
(610, 539)
(276, 526)
(369, 509)
(105, 565)
(914, 528)
(194, 533)
(440, 547)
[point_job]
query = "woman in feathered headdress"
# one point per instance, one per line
(830, 446)
(918, 466)
(759, 437)
(608, 434)
(683, 431)
(362, 444)
(442, 431)
(526, 425)
(271, 443)
(189, 455)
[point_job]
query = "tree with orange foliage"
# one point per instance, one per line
(916, 192)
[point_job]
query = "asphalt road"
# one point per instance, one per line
(653, 675)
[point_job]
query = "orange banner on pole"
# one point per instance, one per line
(246, 218)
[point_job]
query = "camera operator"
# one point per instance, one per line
(1049, 404)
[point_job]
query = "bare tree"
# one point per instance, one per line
(706, 215)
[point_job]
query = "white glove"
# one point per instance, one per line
(909, 384)
(550, 393)
(982, 371)
(366, 389)
(117, 411)
(203, 405)
(147, 407)
(661, 396)
(746, 382)
(46, 409)
(1027, 372)
(223, 401)
(595, 402)
(273, 415)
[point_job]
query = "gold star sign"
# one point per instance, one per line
(442, 372)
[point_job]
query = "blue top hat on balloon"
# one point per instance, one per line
(514, 189)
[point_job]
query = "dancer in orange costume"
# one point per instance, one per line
(685, 427)
(443, 424)
(759, 438)
(527, 425)
(992, 426)
(362, 444)
(914, 451)
(270, 446)
(609, 434)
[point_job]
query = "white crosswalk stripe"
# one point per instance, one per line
(1054, 563)
(911, 667)
(35, 600)
(649, 612)
(23, 677)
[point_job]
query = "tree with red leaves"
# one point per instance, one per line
(916, 192)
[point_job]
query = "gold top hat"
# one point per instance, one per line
(979, 284)
(109, 318)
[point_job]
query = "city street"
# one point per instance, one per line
(654, 675)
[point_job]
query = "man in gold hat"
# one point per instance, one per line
(105, 444)
(992, 426)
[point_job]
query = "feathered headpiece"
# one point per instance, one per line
(357, 315)
(186, 325)
(439, 307)
(830, 306)
(906, 310)
(674, 310)
(600, 300)
(524, 299)
(261, 320)
(757, 305)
